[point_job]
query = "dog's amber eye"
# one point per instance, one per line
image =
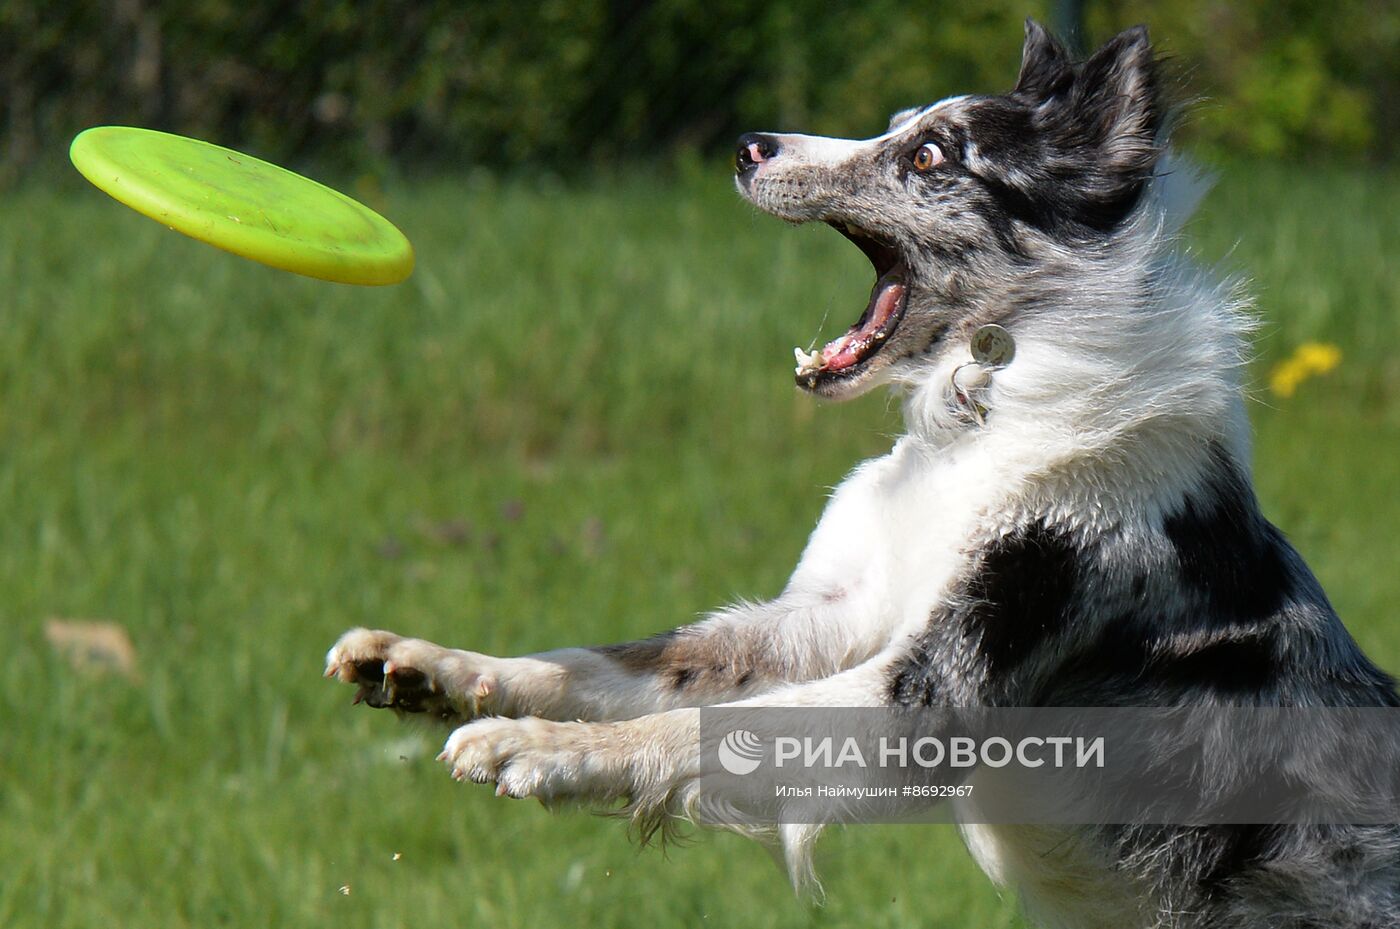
(928, 156)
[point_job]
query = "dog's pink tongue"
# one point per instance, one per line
(848, 349)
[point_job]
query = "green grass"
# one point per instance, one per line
(236, 464)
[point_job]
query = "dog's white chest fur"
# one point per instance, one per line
(899, 531)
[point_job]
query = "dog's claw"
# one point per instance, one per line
(413, 676)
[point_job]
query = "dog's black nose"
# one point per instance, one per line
(754, 149)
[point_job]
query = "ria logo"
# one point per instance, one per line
(740, 752)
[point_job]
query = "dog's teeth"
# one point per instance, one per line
(806, 363)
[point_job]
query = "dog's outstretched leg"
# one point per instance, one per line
(652, 761)
(742, 651)
(831, 616)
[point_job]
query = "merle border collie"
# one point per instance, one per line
(1068, 520)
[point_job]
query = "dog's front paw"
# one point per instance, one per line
(538, 758)
(412, 675)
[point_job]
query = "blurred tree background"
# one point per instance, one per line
(568, 84)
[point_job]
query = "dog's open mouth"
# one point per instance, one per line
(846, 355)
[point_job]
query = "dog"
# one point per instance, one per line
(1069, 519)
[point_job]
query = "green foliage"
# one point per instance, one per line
(563, 84)
(1292, 79)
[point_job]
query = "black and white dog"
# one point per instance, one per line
(1069, 520)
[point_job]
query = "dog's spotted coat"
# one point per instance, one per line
(1095, 541)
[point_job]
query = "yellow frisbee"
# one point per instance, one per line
(243, 205)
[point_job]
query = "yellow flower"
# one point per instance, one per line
(1308, 360)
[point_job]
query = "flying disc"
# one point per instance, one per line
(243, 205)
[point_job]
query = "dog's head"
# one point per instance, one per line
(957, 204)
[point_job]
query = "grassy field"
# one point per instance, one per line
(574, 424)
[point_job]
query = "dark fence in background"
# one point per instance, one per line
(577, 83)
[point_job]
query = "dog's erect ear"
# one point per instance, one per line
(1117, 92)
(1098, 124)
(1045, 65)
(1091, 136)
(1109, 124)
